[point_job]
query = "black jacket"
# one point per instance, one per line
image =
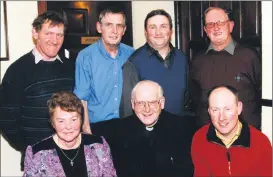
(130, 79)
(164, 151)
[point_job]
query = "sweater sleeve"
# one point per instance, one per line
(10, 99)
(194, 81)
(255, 71)
(201, 167)
(265, 164)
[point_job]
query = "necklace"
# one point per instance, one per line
(71, 160)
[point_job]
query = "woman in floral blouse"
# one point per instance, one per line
(68, 152)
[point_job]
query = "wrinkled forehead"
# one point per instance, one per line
(146, 93)
(215, 15)
(113, 17)
(49, 25)
(222, 97)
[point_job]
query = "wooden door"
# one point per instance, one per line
(190, 34)
(82, 17)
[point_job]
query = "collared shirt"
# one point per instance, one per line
(98, 80)
(39, 57)
(168, 61)
(229, 48)
(228, 142)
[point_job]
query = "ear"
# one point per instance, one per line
(145, 33)
(51, 122)
(133, 105)
(162, 102)
(231, 25)
(205, 29)
(240, 107)
(124, 30)
(34, 34)
(98, 26)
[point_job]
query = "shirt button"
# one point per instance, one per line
(115, 72)
(115, 86)
(116, 99)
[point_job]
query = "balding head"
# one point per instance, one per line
(224, 109)
(147, 101)
(142, 86)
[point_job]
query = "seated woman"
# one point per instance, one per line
(68, 152)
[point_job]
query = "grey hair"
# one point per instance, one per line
(111, 11)
(228, 12)
(140, 83)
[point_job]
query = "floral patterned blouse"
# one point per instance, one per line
(42, 160)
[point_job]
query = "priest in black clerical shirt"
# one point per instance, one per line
(151, 142)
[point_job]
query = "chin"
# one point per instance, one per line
(224, 131)
(148, 123)
(70, 137)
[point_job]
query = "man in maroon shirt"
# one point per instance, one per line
(226, 62)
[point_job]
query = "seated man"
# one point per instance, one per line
(151, 142)
(229, 146)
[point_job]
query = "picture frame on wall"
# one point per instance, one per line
(4, 33)
(76, 21)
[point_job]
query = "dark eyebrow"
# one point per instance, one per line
(63, 118)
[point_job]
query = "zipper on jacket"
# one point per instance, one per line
(229, 160)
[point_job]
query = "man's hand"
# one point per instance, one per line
(86, 128)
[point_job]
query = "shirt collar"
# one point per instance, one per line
(152, 51)
(243, 139)
(168, 61)
(229, 48)
(105, 52)
(39, 57)
(227, 141)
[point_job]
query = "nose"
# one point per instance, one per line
(68, 125)
(146, 107)
(221, 116)
(157, 31)
(54, 39)
(216, 26)
(115, 29)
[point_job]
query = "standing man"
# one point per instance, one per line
(229, 146)
(159, 61)
(98, 77)
(29, 82)
(226, 62)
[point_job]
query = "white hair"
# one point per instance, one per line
(144, 82)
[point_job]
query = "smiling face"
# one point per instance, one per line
(147, 104)
(112, 28)
(224, 111)
(49, 39)
(219, 35)
(66, 124)
(158, 32)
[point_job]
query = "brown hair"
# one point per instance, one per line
(53, 18)
(67, 101)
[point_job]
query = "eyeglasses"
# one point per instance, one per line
(152, 104)
(112, 25)
(219, 23)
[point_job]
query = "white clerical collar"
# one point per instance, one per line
(39, 57)
(151, 127)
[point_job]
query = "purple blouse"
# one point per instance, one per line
(47, 163)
